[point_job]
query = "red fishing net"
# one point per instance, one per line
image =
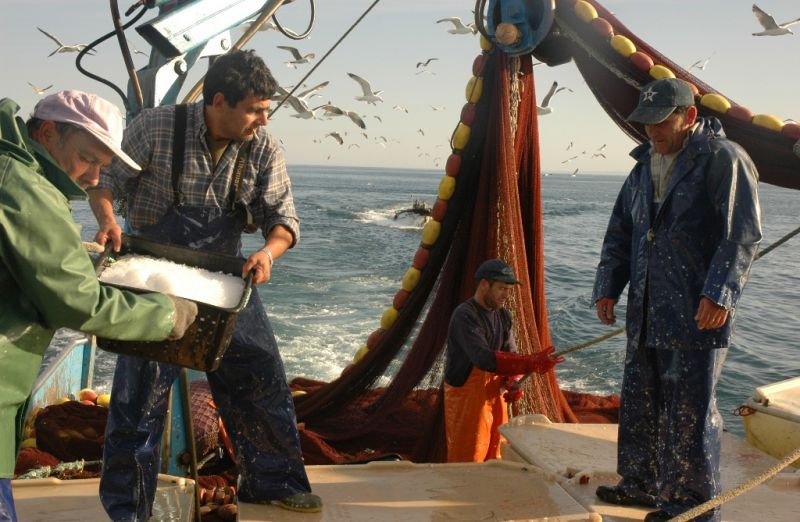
(391, 400)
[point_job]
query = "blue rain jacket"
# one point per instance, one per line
(704, 238)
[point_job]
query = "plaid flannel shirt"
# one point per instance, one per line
(265, 186)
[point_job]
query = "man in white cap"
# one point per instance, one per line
(682, 236)
(47, 279)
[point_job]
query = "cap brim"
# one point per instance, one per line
(118, 152)
(650, 115)
(507, 280)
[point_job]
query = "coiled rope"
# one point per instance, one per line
(735, 492)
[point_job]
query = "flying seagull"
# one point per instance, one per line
(425, 63)
(333, 110)
(40, 90)
(336, 136)
(771, 28)
(458, 26)
(574, 173)
(369, 96)
(545, 107)
(63, 48)
(400, 108)
(298, 58)
(700, 64)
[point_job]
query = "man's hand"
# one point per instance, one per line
(710, 315)
(110, 231)
(605, 310)
(262, 266)
(513, 388)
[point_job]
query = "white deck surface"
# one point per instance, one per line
(583, 456)
(402, 491)
(46, 500)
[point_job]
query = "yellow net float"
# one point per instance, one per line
(715, 102)
(659, 72)
(474, 89)
(447, 187)
(410, 279)
(622, 45)
(585, 11)
(388, 318)
(360, 354)
(460, 136)
(768, 121)
(430, 232)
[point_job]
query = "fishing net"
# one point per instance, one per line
(390, 401)
(615, 80)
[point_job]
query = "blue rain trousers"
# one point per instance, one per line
(7, 511)
(670, 430)
(249, 389)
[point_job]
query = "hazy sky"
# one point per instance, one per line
(762, 73)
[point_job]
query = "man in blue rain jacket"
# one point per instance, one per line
(683, 234)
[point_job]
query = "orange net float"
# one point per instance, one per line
(439, 210)
(602, 27)
(399, 300)
(423, 254)
(373, 338)
(740, 113)
(453, 165)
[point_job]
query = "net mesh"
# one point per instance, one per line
(391, 400)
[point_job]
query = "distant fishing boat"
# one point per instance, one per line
(418, 208)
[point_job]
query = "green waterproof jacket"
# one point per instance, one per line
(47, 280)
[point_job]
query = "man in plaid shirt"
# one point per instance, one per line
(209, 172)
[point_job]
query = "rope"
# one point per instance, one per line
(618, 331)
(335, 45)
(735, 492)
(778, 243)
(587, 344)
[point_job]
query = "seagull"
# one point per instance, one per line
(333, 110)
(369, 95)
(269, 25)
(353, 145)
(377, 118)
(282, 93)
(434, 107)
(421, 131)
(771, 28)
(458, 26)
(600, 154)
(400, 108)
(137, 51)
(545, 107)
(602, 147)
(336, 136)
(298, 58)
(425, 63)
(40, 90)
(569, 159)
(700, 64)
(63, 48)
(569, 146)
(574, 173)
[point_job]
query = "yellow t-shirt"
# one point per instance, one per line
(217, 148)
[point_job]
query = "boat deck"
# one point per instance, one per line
(48, 499)
(584, 456)
(402, 491)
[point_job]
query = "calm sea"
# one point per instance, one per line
(329, 292)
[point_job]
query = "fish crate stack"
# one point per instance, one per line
(205, 341)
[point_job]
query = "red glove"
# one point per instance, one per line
(513, 388)
(514, 363)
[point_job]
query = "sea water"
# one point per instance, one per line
(328, 293)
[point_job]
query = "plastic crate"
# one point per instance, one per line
(205, 341)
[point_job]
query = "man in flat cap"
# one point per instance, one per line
(47, 279)
(682, 236)
(481, 364)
